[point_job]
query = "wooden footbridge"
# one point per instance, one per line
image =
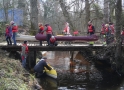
(54, 48)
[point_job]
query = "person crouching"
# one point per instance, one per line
(53, 41)
(40, 67)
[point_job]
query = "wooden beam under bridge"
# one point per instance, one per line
(51, 48)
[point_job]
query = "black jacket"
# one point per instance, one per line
(39, 67)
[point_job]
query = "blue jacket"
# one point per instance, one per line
(39, 67)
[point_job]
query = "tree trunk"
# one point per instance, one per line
(22, 6)
(87, 9)
(34, 16)
(5, 6)
(106, 12)
(118, 52)
(66, 14)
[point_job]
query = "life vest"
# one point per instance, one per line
(65, 29)
(122, 33)
(107, 29)
(49, 30)
(112, 29)
(76, 32)
(103, 30)
(90, 29)
(52, 40)
(7, 31)
(41, 28)
(14, 28)
(26, 48)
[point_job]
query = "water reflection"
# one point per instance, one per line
(79, 74)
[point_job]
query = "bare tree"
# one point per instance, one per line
(5, 6)
(23, 6)
(118, 52)
(106, 11)
(87, 10)
(66, 14)
(34, 15)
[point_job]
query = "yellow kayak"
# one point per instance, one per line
(52, 73)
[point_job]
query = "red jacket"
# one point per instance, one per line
(65, 29)
(41, 28)
(26, 48)
(7, 32)
(90, 29)
(107, 29)
(122, 33)
(49, 30)
(103, 30)
(14, 28)
(112, 29)
(52, 40)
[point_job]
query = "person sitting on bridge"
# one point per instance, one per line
(24, 52)
(8, 34)
(53, 41)
(41, 28)
(49, 33)
(40, 67)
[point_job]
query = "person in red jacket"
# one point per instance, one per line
(8, 34)
(53, 41)
(41, 28)
(91, 29)
(103, 34)
(24, 53)
(112, 28)
(67, 29)
(49, 33)
(122, 33)
(14, 28)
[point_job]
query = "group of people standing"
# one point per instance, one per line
(51, 40)
(107, 31)
(10, 32)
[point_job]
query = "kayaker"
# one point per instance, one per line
(40, 67)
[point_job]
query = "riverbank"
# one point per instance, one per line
(13, 76)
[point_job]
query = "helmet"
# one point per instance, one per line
(106, 25)
(67, 23)
(52, 37)
(44, 57)
(12, 22)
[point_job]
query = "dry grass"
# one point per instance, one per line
(13, 76)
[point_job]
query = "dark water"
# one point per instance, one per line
(79, 74)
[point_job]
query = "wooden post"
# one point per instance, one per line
(31, 59)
